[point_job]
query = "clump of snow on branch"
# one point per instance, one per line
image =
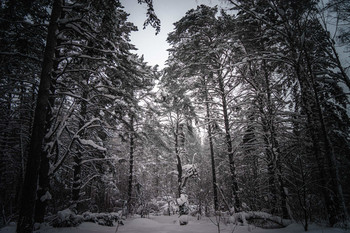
(189, 170)
(182, 200)
(46, 196)
(92, 144)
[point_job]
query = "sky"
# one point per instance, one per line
(154, 47)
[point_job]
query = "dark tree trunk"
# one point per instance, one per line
(78, 157)
(272, 148)
(284, 196)
(335, 185)
(76, 180)
(212, 157)
(44, 179)
(28, 197)
(178, 158)
(131, 163)
(234, 185)
(313, 123)
(44, 183)
(271, 158)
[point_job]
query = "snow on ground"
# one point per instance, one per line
(166, 224)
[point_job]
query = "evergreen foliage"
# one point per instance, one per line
(249, 117)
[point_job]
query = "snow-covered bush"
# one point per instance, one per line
(164, 205)
(193, 210)
(104, 219)
(67, 218)
(169, 208)
(153, 207)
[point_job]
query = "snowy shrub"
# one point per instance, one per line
(153, 207)
(140, 210)
(161, 203)
(193, 210)
(104, 219)
(67, 218)
(89, 217)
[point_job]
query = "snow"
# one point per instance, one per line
(170, 224)
(46, 196)
(182, 200)
(183, 219)
(91, 143)
(189, 170)
(64, 214)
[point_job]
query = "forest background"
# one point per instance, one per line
(251, 111)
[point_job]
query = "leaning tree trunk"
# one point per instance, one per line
(27, 203)
(335, 185)
(44, 189)
(44, 179)
(313, 122)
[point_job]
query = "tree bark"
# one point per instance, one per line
(178, 158)
(76, 180)
(212, 157)
(234, 185)
(44, 183)
(44, 179)
(274, 167)
(27, 206)
(131, 163)
(338, 196)
(313, 123)
(78, 156)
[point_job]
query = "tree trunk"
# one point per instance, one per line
(26, 213)
(44, 183)
(44, 179)
(78, 156)
(131, 163)
(274, 166)
(335, 184)
(234, 185)
(313, 124)
(76, 180)
(212, 157)
(178, 158)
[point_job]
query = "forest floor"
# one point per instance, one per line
(170, 224)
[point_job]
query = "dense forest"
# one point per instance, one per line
(251, 112)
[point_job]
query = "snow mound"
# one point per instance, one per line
(67, 218)
(143, 222)
(104, 219)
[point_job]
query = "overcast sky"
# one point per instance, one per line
(152, 46)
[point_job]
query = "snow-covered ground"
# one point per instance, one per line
(166, 224)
